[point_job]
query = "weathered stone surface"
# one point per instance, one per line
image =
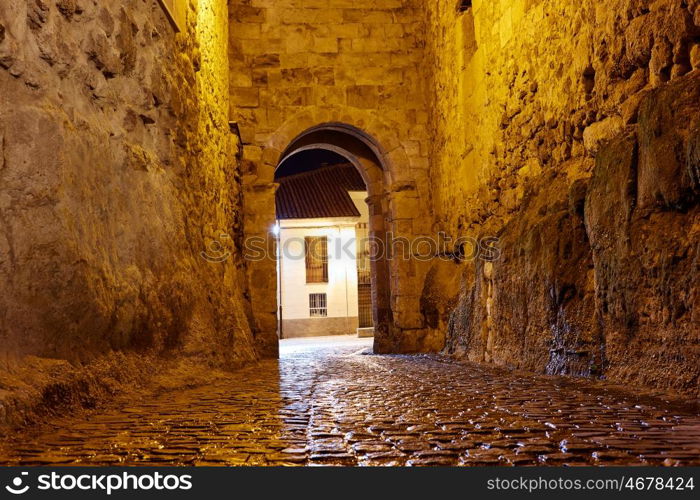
(642, 217)
(533, 307)
(668, 124)
(118, 169)
(520, 122)
(443, 284)
(599, 133)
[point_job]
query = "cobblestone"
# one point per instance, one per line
(337, 404)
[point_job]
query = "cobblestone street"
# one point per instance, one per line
(331, 402)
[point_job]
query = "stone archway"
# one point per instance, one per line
(361, 150)
(372, 145)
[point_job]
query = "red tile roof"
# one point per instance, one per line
(319, 193)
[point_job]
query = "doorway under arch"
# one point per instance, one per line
(396, 174)
(367, 156)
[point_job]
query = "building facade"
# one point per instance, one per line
(323, 270)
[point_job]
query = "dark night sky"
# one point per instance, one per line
(308, 160)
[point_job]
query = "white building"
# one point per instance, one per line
(322, 218)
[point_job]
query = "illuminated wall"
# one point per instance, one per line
(117, 170)
(553, 129)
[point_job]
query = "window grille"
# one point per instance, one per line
(318, 305)
(363, 254)
(364, 303)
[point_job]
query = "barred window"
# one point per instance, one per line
(316, 251)
(363, 253)
(318, 305)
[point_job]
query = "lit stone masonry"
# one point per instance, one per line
(117, 168)
(297, 65)
(570, 130)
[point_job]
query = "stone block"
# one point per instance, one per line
(695, 55)
(367, 16)
(363, 96)
(246, 31)
(242, 13)
(600, 133)
(245, 97)
(666, 117)
(327, 45)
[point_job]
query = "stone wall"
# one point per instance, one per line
(117, 169)
(569, 130)
(298, 64)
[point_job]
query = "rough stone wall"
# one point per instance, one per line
(297, 64)
(117, 169)
(569, 130)
(293, 56)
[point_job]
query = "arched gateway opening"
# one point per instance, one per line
(395, 174)
(359, 153)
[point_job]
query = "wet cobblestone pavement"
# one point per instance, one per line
(335, 404)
